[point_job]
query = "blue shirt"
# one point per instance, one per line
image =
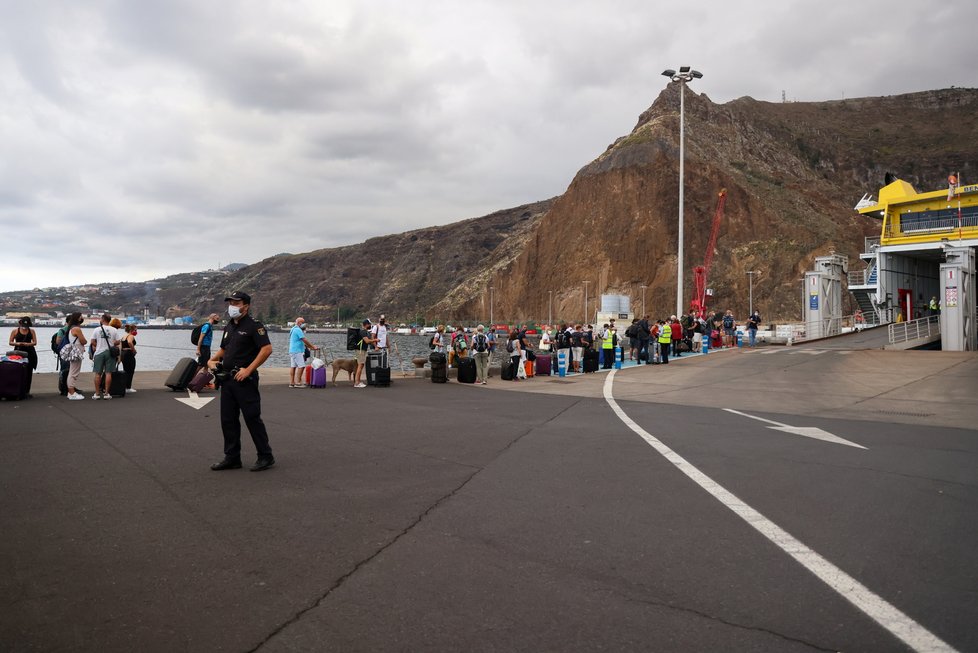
(206, 334)
(296, 346)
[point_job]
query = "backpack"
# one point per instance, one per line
(195, 334)
(480, 343)
(728, 322)
(59, 340)
(431, 342)
(509, 346)
(632, 331)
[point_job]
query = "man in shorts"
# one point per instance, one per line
(363, 346)
(729, 329)
(104, 363)
(297, 347)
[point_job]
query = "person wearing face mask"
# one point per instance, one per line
(244, 347)
(205, 340)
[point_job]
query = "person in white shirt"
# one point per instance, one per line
(379, 331)
(104, 337)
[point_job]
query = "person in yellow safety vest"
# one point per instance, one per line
(608, 345)
(934, 308)
(665, 340)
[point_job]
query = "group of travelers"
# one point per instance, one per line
(109, 345)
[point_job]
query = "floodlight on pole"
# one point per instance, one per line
(683, 77)
(584, 321)
(491, 289)
(643, 287)
(750, 275)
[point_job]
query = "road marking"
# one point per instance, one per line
(806, 431)
(889, 617)
(194, 401)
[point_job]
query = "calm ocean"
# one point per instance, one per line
(160, 349)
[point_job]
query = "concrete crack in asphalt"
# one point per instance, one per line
(410, 527)
(704, 615)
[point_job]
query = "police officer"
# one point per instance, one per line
(244, 347)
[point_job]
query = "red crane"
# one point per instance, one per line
(701, 272)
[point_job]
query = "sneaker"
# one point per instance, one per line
(130, 391)
(360, 385)
(76, 397)
(291, 385)
(96, 397)
(106, 397)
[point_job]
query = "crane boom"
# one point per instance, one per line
(702, 272)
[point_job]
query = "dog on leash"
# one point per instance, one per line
(348, 364)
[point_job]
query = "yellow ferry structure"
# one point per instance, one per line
(922, 265)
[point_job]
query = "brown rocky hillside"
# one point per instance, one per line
(793, 171)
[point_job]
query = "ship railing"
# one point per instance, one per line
(925, 327)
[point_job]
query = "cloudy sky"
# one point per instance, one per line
(142, 138)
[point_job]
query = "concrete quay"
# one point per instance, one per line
(514, 516)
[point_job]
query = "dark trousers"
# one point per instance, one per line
(242, 397)
(609, 358)
(643, 346)
(128, 366)
(205, 355)
(63, 377)
(664, 351)
(675, 349)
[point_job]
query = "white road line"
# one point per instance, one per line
(889, 617)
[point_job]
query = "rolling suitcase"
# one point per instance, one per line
(439, 367)
(181, 375)
(466, 370)
(590, 361)
(13, 379)
(507, 372)
(528, 367)
(378, 371)
(199, 382)
(317, 377)
(544, 365)
(117, 389)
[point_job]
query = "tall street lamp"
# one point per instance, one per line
(490, 306)
(750, 276)
(550, 313)
(585, 302)
(643, 287)
(683, 77)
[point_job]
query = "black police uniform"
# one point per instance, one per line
(241, 342)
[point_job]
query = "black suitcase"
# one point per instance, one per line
(590, 360)
(466, 370)
(117, 389)
(13, 379)
(507, 371)
(439, 367)
(181, 375)
(378, 370)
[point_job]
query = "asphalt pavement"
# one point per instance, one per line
(515, 516)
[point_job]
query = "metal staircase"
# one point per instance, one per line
(864, 285)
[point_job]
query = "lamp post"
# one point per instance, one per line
(550, 311)
(683, 77)
(750, 276)
(643, 287)
(491, 289)
(585, 302)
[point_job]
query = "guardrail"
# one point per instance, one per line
(802, 331)
(924, 327)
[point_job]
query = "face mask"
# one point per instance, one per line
(234, 312)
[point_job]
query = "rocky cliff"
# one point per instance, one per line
(792, 171)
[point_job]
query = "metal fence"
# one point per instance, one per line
(924, 327)
(802, 331)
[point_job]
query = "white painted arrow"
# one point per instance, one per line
(194, 401)
(806, 431)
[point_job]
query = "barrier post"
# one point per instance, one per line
(561, 362)
(619, 357)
